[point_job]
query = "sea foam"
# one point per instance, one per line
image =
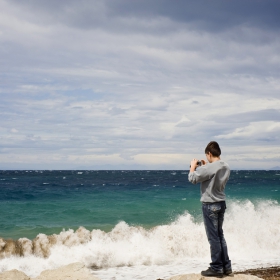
(252, 232)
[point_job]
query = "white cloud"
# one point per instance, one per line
(256, 130)
(93, 85)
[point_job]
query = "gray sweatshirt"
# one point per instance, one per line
(213, 178)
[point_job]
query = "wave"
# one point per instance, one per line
(252, 232)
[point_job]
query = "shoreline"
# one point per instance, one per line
(267, 273)
(79, 271)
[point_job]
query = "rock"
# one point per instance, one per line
(186, 277)
(200, 277)
(13, 275)
(74, 271)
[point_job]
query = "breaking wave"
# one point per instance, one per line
(252, 232)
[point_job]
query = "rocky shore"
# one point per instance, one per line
(75, 271)
(78, 271)
(270, 273)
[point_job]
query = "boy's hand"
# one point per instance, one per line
(193, 165)
(203, 162)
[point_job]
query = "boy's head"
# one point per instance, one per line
(213, 148)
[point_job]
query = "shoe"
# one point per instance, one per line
(228, 271)
(211, 273)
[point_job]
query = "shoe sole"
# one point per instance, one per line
(216, 276)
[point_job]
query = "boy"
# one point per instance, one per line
(213, 177)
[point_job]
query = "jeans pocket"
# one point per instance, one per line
(215, 207)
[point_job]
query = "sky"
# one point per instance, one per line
(121, 84)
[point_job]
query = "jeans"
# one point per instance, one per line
(213, 215)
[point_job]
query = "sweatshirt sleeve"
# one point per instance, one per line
(199, 175)
(191, 178)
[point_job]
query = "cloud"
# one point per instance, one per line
(263, 131)
(136, 84)
(252, 116)
(214, 16)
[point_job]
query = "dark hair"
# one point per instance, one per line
(214, 148)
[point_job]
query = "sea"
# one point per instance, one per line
(132, 224)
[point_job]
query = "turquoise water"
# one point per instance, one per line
(34, 202)
(132, 224)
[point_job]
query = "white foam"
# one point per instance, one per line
(252, 233)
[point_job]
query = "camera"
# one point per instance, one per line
(199, 163)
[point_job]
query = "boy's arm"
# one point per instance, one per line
(199, 175)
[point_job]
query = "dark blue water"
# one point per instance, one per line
(33, 202)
